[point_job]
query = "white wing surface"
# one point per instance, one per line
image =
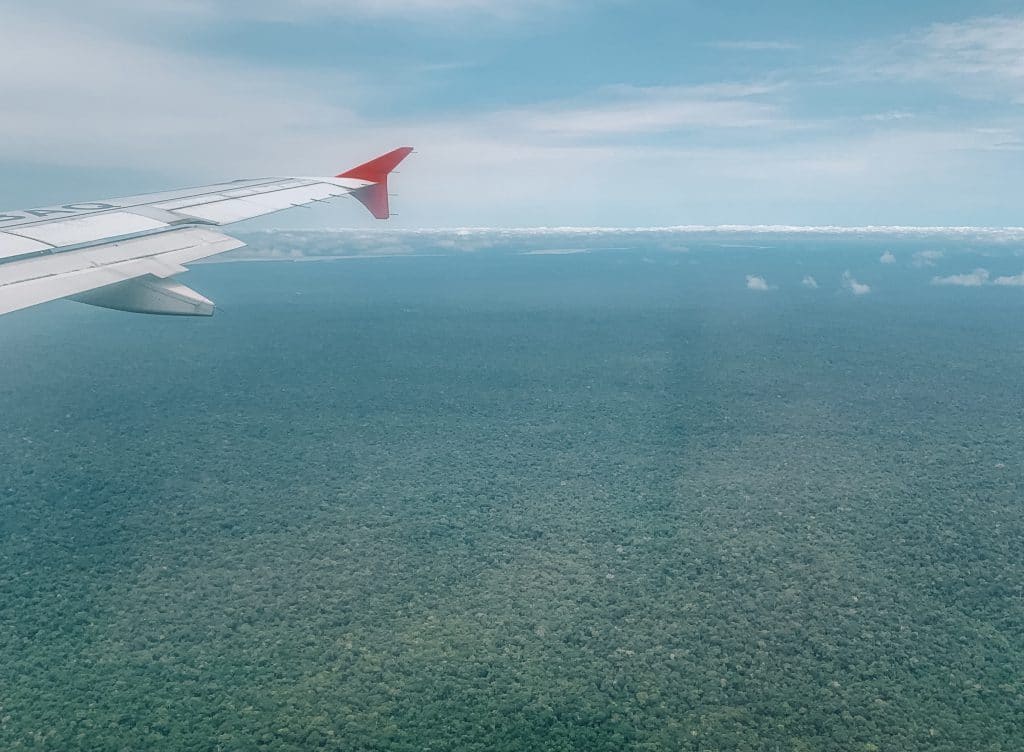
(122, 253)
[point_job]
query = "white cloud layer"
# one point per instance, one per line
(663, 244)
(1014, 281)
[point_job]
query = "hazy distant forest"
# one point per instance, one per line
(616, 500)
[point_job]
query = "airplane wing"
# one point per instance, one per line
(123, 253)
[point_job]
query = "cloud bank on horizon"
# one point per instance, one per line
(962, 245)
(747, 123)
(780, 262)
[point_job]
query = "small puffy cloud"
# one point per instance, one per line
(851, 284)
(1014, 281)
(926, 258)
(757, 283)
(262, 10)
(888, 258)
(977, 278)
(810, 282)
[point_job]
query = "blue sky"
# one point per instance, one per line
(531, 112)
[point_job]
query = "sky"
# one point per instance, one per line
(530, 112)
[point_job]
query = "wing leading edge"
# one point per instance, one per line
(121, 253)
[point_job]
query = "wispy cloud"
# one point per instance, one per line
(981, 56)
(179, 102)
(406, 7)
(810, 282)
(754, 45)
(216, 116)
(888, 117)
(851, 284)
(888, 258)
(977, 278)
(151, 94)
(639, 110)
(922, 259)
(295, 10)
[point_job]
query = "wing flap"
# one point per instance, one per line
(70, 232)
(14, 245)
(42, 290)
(39, 280)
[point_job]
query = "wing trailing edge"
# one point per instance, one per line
(75, 273)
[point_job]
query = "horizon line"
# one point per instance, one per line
(682, 229)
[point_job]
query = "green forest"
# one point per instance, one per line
(598, 502)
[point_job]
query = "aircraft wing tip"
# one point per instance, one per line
(375, 196)
(377, 170)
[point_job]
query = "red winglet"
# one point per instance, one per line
(375, 197)
(376, 170)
